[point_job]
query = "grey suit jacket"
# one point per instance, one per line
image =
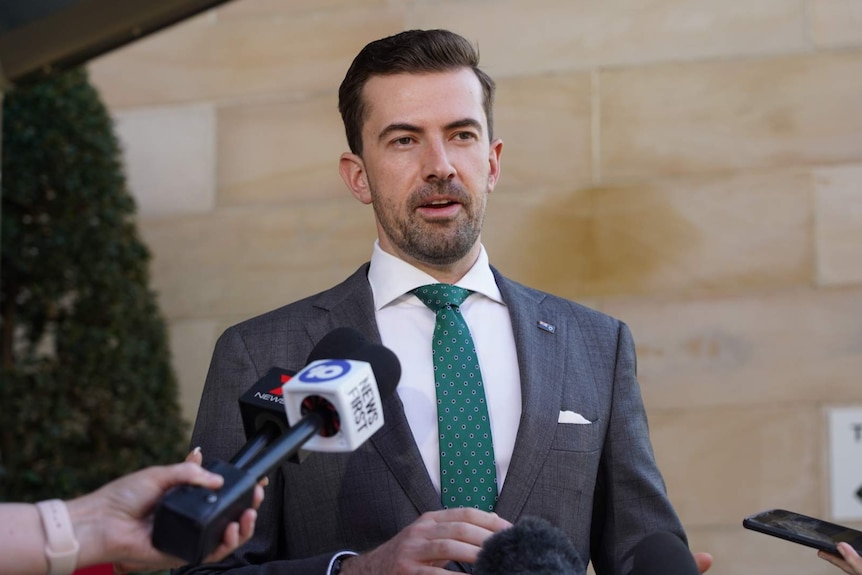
(598, 482)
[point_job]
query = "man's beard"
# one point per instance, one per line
(434, 243)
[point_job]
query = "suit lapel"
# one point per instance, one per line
(542, 359)
(351, 304)
(398, 449)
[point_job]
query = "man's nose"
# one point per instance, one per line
(437, 163)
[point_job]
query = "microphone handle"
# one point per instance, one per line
(190, 520)
(255, 445)
(286, 445)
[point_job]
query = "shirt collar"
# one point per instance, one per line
(391, 278)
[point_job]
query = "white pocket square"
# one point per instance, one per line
(567, 416)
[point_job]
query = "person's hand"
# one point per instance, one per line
(114, 523)
(704, 561)
(236, 533)
(429, 543)
(849, 561)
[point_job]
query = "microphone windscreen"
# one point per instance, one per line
(337, 344)
(663, 553)
(530, 547)
(384, 364)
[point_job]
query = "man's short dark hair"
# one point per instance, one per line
(410, 52)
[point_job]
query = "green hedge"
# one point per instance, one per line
(87, 391)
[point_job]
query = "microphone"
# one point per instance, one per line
(320, 399)
(340, 398)
(663, 553)
(530, 547)
(264, 411)
(345, 389)
(262, 406)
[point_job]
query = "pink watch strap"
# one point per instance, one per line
(62, 547)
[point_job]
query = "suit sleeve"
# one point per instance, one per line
(218, 431)
(631, 499)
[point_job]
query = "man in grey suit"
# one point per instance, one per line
(569, 432)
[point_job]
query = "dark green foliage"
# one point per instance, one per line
(87, 390)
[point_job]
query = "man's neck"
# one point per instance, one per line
(447, 274)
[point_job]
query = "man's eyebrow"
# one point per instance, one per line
(399, 127)
(465, 123)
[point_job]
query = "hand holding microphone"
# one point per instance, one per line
(338, 398)
(130, 494)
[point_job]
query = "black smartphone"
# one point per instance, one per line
(803, 529)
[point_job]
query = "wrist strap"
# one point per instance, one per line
(62, 547)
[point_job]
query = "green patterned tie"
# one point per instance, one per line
(468, 476)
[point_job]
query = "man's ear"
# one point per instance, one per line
(494, 154)
(352, 170)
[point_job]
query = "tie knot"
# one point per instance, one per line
(440, 296)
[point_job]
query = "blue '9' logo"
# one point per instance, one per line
(325, 371)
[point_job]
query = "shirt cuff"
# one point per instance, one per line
(336, 559)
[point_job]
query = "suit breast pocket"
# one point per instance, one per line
(576, 437)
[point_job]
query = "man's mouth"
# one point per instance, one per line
(439, 204)
(441, 200)
(440, 208)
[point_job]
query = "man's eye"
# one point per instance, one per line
(404, 141)
(465, 136)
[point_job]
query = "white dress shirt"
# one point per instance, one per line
(406, 326)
